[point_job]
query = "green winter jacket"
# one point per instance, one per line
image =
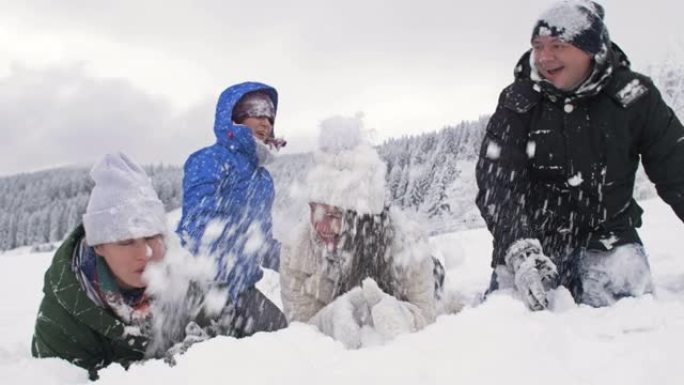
(71, 326)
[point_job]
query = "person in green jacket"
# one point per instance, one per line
(95, 310)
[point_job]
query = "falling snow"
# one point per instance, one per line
(493, 151)
(576, 180)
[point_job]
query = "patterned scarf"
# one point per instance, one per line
(132, 306)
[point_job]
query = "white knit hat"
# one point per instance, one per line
(123, 204)
(347, 171)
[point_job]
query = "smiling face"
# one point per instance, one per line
(127, 259)
(562, 64)
(326, 220)
(261, 127)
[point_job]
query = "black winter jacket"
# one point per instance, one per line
(562, 170)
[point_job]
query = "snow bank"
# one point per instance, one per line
(637, 341)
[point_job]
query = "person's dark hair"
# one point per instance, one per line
(368, 237)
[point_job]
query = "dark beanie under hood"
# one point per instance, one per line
(578, 22)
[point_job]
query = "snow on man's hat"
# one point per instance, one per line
(578, 22)
(123, 205)
(347, 172)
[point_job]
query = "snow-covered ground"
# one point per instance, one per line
(637, 341)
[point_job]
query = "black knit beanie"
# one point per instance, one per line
(578, 22)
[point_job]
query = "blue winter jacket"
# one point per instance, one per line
(227, 199)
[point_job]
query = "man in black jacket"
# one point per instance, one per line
(558, 162)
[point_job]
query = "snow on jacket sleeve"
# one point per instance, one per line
(502, 175)
(414, 268)
(215, 217)
(303, 289)
(663, 150)
(417, 284)
(271, 259)
(203, 172)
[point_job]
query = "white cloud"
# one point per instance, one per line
(62, 116)
(410, 66)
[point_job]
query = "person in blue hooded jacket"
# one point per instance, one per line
(227, 201)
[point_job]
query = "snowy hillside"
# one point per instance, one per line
(432, 175)
(637, 341)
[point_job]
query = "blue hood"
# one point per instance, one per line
(224, 128)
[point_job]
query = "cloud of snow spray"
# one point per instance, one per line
(190, 302)
(178, 285)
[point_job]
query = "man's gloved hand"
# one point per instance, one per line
(343, 318)
(534, 273)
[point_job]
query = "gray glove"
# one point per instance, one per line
(534, 273)
(193, 334)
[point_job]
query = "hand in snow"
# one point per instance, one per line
(372, 292)
(343, 318)
(390, 316)
(534, 273)
(193, 334)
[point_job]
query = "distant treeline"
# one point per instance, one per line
(431, 175)
(44, 206)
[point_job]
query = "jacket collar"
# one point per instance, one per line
(599, 78)
(62, 283)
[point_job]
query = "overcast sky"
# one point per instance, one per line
(79, 78)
